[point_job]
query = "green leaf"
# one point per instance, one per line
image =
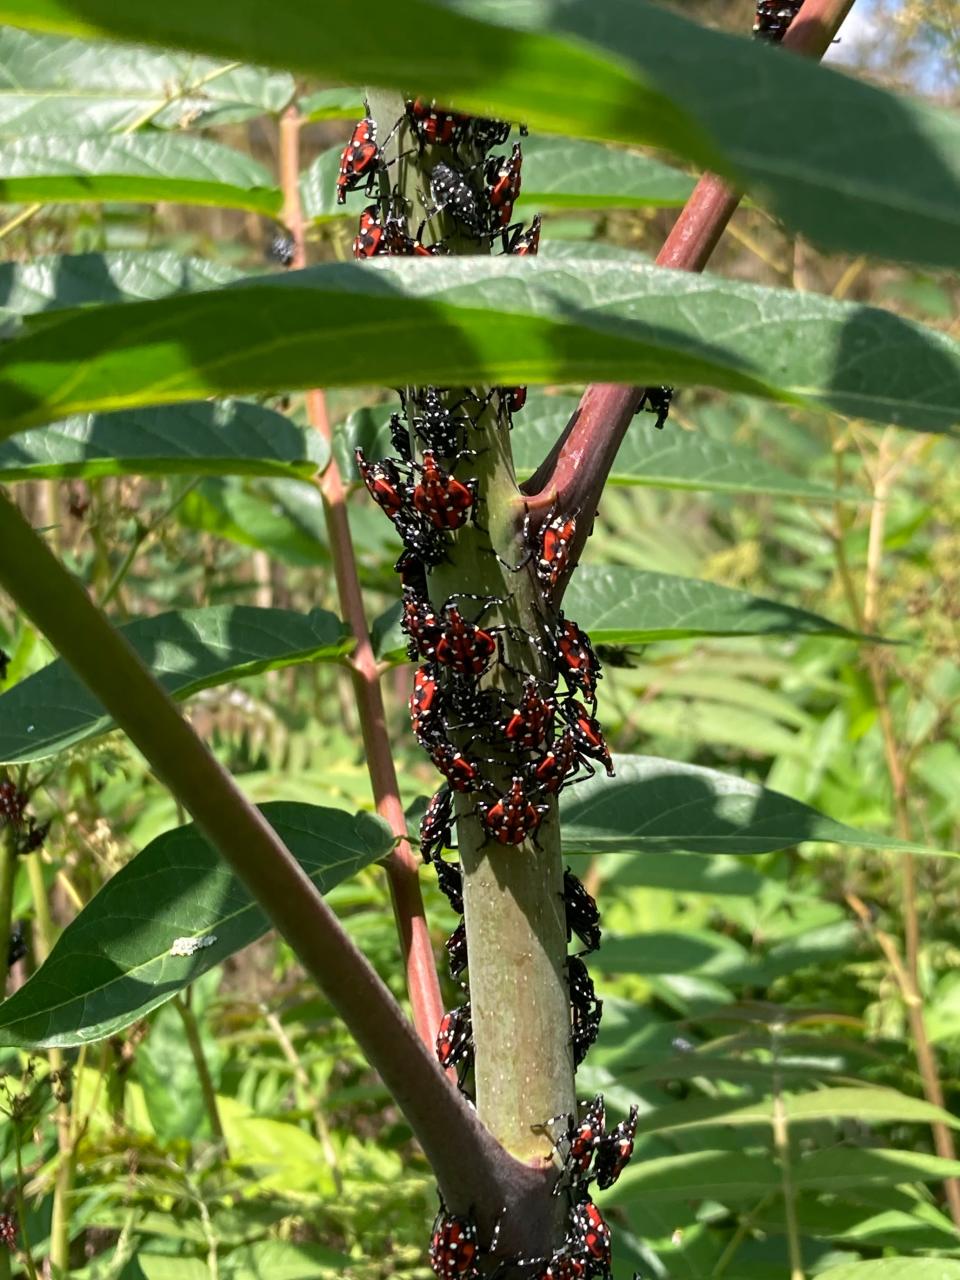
(168, 916)
(628, 607)
(735, 1175)
(332, 104)
(895, 1269)
(137, 167)
(203, 438)
(558, 173)
(670, 459)
(278, 1259)
(500, 321)
(53, 85)
(75, 280)
(636, 606)
(187, 651)
(655, 804)
(867, 1105)
(887, 183)
(282, 517)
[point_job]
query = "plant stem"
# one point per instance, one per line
(576, 469)
(470, 1166)
(192, 1032)
(402, 867)
(8, 880)
(44, 933)
(926, 1059)
(781, 1145)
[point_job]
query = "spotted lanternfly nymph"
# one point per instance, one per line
(453, 194)
(773, 18)
(656, 400)
(436, 825)
(514, 817)
(282, 248)
(450, 883)
(383, 483)
(445, 501)
(583, 916)
(615, 1150)
(454, 1247)
(502, 175)
(524, 243)
(588, 734)
(589, 1229)
(456, 946)
(455, 1038)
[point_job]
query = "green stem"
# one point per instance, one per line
(8, 880)
(192, 1032)
(469, 1164)
(22, 1211)
(513, 897)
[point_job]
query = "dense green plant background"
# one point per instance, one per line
(749, 970)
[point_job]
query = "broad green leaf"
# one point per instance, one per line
(668, 459)
(53, 85)
(735, 1175)
(867, 1105)
(76, 280)
(895, 1269)
(137, 167)
(332, 104)
(887, 183)
(278, 1259)
(558, 173)
(635, 606)
(168, 916)
(282, 517)
(221, 438)
(187, 651)
(624, 606)
(655, 804)
(476, 320)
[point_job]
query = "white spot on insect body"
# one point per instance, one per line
(190, 946)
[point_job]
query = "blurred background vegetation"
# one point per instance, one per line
(722, 977)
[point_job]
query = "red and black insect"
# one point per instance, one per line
(13, 804)
(454, 1246)
(419, 622)
(465, 647)
(450, 883)
(8, 1230)
(443, 499)
(377, 234)
(452, 192)
(552, 551)
(523, 242)
(514, 398)
(456, 946)
(434, 126)
(656, 400)
(555, 767)
(589, 1230)
(530, 722)
(615, 1150)
(455, 1038)
(384, 484)
(32, 838)
(569, 647)
(436, 825)
(486, 133)
(425, 707)
(567, 1263)
(514, 817)
(588, 734)
(360, 160)
(773, 18)
(502, 176)
(583, 915)
(460, 772)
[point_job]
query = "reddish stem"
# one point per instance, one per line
(574, 472)
(402, 864)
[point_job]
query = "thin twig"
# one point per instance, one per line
(423, 985)
(209, 1093)
(781, 1145)
(926, 1058)
(576, 469)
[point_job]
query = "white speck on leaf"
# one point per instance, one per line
(190, 946)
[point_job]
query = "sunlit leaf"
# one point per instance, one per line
(168, 916)
(189, 650)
